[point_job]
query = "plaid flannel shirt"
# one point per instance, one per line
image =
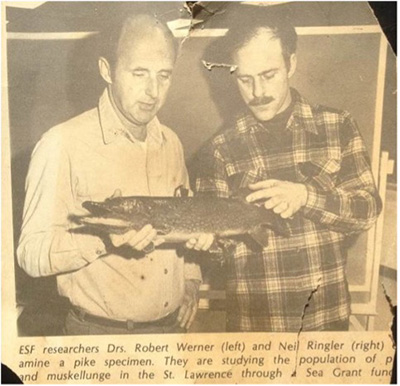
(321, 148)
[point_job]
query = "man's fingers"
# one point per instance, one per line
(191, 243)
(146, 240)
(264, 194)
(137, 240)
(203, 243)
(209, 239)
(263, 184)
(158, 241)
(287, 213)
(118, 240)
(181, 313)
(200, 243)
(272, 202)
(140, 235)
(283, 197)
(185, 315)
(281, 207)
(192, 316)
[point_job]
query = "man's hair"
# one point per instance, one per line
(247, 28)
(113, 29)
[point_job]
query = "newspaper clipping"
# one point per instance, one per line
(198, 192)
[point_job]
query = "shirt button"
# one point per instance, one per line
(166, 304)
(99, 252)
(165, 270)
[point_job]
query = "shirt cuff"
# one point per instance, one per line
(314, 200)
(91, 247)
(192, 272)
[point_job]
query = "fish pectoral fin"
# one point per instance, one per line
(276, 223)
(260, 235)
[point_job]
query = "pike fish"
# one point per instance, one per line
(178, 219)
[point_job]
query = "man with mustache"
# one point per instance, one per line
(113, 286)
(308, 164)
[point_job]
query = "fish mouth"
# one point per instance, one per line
(96, 208)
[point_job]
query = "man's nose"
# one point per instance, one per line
(258, 88)
(152, 87)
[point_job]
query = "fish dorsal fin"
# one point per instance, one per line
(276, 223)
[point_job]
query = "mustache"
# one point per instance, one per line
(261, 101)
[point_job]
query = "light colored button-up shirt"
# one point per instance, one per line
(88, 158)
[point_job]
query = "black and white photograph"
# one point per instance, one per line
(198, 168)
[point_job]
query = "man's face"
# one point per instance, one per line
(262, 75)
(142, 76)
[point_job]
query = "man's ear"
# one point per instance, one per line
(293, 65)
(105, 70)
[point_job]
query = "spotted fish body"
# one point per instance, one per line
(180, 218)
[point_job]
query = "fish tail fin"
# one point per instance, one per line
(260, 235)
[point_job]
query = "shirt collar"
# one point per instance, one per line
(112, 126)
(302, 117)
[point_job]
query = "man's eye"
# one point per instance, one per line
(268, 75)
(244, 80)
(138, 74)
(164, 76)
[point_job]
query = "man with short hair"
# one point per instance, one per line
(114, 287)
(307, 163)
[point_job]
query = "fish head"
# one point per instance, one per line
(118, 207)
(98, 209)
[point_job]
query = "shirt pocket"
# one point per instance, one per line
(321, 171)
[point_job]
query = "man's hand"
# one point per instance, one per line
(137, 239)
(284, 197)
(190, 304)
(202, 243)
